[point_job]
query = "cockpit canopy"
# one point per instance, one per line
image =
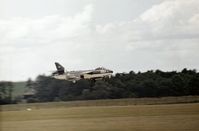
(100, 68)
(103, 69)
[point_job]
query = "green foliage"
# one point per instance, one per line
(6, 89)
(129, 85)
(18, 88)
(29, 84)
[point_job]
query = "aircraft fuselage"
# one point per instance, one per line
(98, 73)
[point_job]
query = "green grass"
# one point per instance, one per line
(142, 117)
(106, 102)
(168, 117)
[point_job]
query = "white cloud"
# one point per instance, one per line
(166, 34)
(27, 43)
(163, 37)
(174, 18)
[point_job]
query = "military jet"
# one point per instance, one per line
(74, 76)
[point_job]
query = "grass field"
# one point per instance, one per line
(168, 117)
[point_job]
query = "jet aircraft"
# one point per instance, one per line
(74, 76)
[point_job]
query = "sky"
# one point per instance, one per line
(121, 35)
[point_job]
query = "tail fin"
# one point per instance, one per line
(60, 68)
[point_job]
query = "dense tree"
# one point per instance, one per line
(194, 85)
(6, 89)
(29, 84)
(122, 85)
(44, 88)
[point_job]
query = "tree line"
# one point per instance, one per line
(122, 85)
(6, 89)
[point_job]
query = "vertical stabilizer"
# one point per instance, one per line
(60, 68)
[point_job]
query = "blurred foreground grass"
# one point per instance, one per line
(167, 117)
